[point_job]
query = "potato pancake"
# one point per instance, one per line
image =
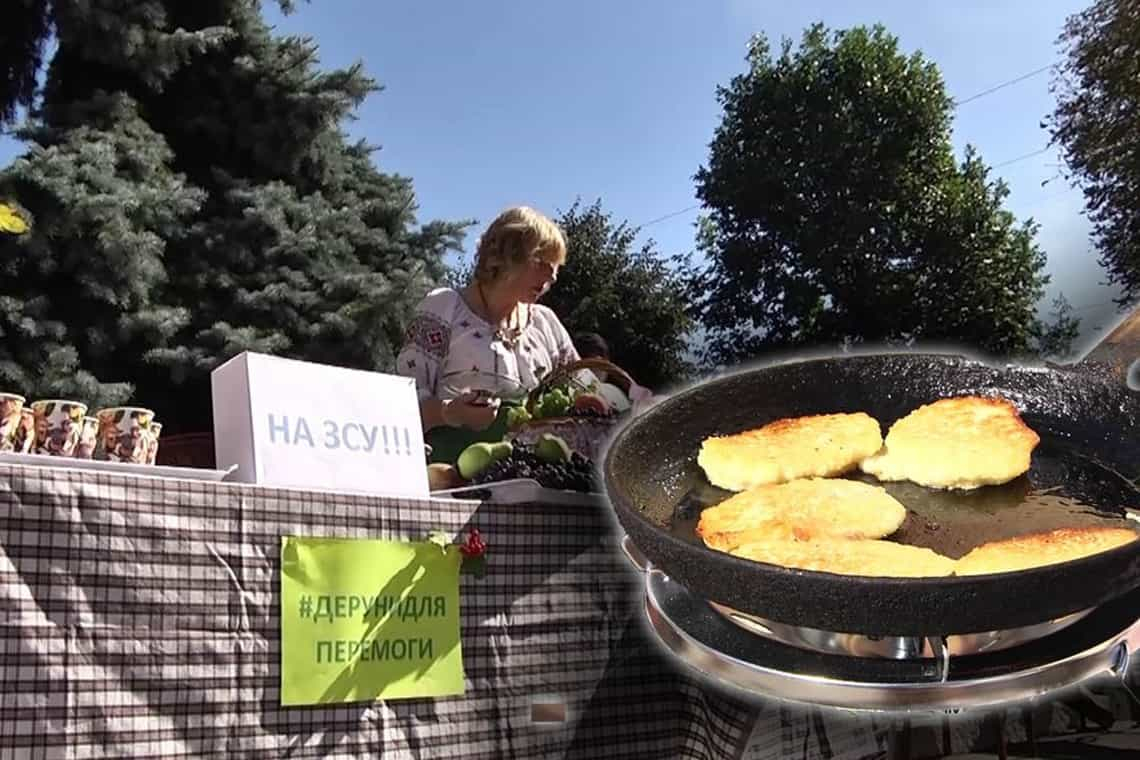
(961, 443)
(865, 557)
(821, 445)
(801, 509)
(1040, 549)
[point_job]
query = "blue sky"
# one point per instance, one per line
(491, 103)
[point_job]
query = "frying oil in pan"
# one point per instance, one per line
(1063, 489)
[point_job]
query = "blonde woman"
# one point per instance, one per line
(466, 348)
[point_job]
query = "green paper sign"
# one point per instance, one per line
(364, 620)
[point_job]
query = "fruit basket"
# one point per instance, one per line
(550, 438)
(579, 402)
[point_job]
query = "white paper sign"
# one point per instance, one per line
(290, 423)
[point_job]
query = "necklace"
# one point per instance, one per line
(508, 334)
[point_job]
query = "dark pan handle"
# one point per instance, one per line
(1119, 351)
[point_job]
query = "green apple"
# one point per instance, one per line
(551, 448)
(501, 450)
(474, 459)
(479, 456)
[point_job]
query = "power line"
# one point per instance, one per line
(670, 215)
(1003, 85)
(999, 165)
(1088, 306)
(687, 209)
(976, 96)
(1020, 158)
(994, 166)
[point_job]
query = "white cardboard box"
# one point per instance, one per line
(291, 423)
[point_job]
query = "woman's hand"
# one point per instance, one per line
(472, 410)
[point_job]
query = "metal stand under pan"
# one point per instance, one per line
(895, 647)
(788, 664)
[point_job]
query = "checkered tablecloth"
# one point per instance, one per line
(141, 620)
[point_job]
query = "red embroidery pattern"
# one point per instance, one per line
(430, 334)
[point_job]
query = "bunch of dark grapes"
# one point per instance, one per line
(577, 474)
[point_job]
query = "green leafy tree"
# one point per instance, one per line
(1058, 335)
(632, 296)
(194, 196)
(1097, 123)
(837, 211)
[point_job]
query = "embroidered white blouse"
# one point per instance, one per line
(446, 338)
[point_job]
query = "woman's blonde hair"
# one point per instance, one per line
(513, 238)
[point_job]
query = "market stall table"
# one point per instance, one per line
(141, 620)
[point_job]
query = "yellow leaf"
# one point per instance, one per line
(10, 221)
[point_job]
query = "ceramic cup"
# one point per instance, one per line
(124, 434)
(152, 448)
(88, 438)
(58, 425)
(11, 410)
(25, 441)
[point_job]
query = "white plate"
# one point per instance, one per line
(522, 491)
(121, 468)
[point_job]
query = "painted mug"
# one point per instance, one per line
(58, 425)
(124, 434)
(11, 412)
(25, 442)
(88, 438)
(152, 446)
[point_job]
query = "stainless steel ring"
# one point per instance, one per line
(895, 647)
(1103, 659)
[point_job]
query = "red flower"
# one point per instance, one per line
(474, 547)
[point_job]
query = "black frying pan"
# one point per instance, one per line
(1084, 472)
